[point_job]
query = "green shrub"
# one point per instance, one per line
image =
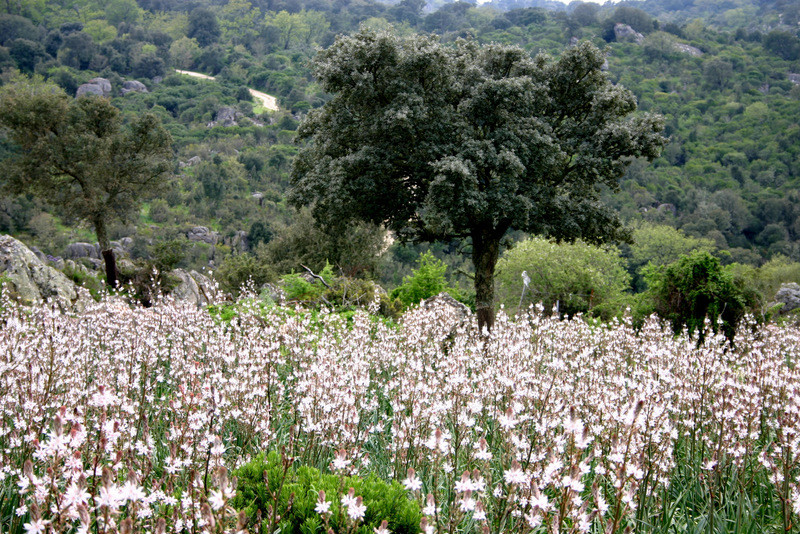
(83, 278)
(237, 270)
(428, 280)
(143, 280)
(298, 288)
(269, 484)
(660, 245)
(225, 312)
(167, 255)
(576, 277)
(696, 288)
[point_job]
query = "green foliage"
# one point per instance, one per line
(767, 279)
(342, 293)
(730, 173)
(82, 277)
(783, 44)
(428, 280)
(238, 270)
(203, 27)
(26, 53)
(298, 288)
(697, 288)
(577, 277)
(166, 255)
(301, 485)
(660, 245)
(354, 248)
(501, 140)
(76, 155)
(259, 233)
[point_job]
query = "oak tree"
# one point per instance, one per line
(77, 155)
(438, 141)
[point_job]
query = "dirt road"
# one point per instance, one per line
(268, 101)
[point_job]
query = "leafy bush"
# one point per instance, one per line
(144, 280)
(286, 496)
(695, 288)
(166, 255)
(84, 278)
(577, 277)
(298, 288)
(237, 270)
(660, 245)
(427, 280)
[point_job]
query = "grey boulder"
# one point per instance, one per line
(626, 34)
(203, 234)
(76, 251)
(193, 288)
(133, 86)
(95, 86)
(789, 296)
(30, 281)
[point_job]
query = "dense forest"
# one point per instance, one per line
(724, 74)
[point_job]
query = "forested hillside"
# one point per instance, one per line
(725, 75)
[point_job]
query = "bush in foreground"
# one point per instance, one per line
(288, 499)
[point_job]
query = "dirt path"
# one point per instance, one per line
(268, 101)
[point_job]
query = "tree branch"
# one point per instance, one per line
(316, 276)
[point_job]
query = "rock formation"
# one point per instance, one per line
(133, 86)
(30, 281)
(625, 34)
(194, 288)
(789, 296)
(95, 86)
(203, 234)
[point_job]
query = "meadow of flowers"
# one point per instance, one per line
(135, 420)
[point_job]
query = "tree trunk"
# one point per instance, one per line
(106, 250)
(485, 251)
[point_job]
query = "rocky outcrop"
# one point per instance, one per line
(793, 77)
(76, 251)
(123, 245)
(91, 251)
(104, 84)
(30, 281)
(789, 296)
(133, 86)
(688, 49)
(194, 288)
(625, 34)
(191, 162)
(202, 234)
(226, 116)
(95, 86)
(89, 89)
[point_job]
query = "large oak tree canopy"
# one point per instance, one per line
(439, 141)
(77, 155)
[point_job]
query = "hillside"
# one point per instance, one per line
(725, 76)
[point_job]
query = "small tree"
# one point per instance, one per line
(464, 141)
(203, 27)
(76, 155)
(696, 288)
(575, 277)
(424, 282)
